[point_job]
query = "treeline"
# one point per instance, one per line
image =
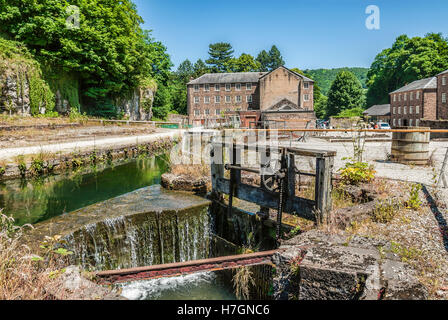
(325, 77)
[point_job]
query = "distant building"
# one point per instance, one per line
(414, 102)
(378, 113)
(279, 96)
(442, 93)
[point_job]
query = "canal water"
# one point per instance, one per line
(37, 200)
(108, 239)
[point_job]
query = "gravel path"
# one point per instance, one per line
(8, 154)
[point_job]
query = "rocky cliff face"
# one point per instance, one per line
(138, 106)
(14, 93)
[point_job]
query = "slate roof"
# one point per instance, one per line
(446, 71)
(428, 83)
(237, 77)
(378, 110)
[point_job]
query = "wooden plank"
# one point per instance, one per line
(298, 206)
(217, 167)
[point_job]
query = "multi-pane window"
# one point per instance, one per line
(417, 109)
(306, 85)
(410, 122)
(443, 81)
(207, 112)
(228, 99)
(218, 112)
(405, 110)
(207, 100)
(394, 110)
(418, 95)
(238, 87)
(395, 97)
(417, 122)
(443, 97)
(207, 87)
(196, 88)
(238, 99)
(399, 97)
(411, 96)
(399, 110)
(196, 100)
(405, 96)
(248, 86)
(411, 110)
(196, 112)
(217, 99)
(228, 86)
(249, 98)
(399, 122)
(217, 87)
(306, 97)
(394, 122)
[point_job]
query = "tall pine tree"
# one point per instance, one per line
(220, 55)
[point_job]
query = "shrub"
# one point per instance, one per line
(386, 210)
(414, 201)
(356, 172)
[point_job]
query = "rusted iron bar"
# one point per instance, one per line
(183, 268)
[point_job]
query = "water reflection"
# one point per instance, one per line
(37, 200)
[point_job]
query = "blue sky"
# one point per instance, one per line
(309, 33)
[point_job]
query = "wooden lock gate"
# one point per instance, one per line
(283, 197)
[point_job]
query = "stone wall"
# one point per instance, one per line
(14, 93)
(436, 124)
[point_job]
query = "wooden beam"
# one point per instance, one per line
(298, 206)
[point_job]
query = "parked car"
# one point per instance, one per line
(383, 126)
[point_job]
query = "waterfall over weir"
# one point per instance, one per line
(144, 239)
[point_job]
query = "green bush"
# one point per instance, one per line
(356, 172)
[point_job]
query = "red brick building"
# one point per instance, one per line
(280, 95)
(414, 102)
(442, 95)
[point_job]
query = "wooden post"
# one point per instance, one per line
(442, 172)
(291, 188)
(217, 167)
(324, 169)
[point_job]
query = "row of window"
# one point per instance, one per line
(228, 99)
(405, 96)
(207, 112)
(405, 110)
(228, 87)
(411, 122)
(238, 99)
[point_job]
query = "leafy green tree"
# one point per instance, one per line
(200, 68)
(264, 60)
(220, 55)
(345, 93)
(109, 53)
(245, 63)
(185, 71)
(163, 103)
(408, 59)
(325, 77)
